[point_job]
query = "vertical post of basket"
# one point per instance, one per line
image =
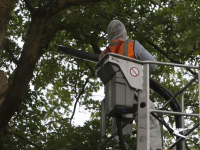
(143, 127)
(182, 118)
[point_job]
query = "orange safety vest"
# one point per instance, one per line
(121, 47)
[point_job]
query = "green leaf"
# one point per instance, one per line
(157, 1)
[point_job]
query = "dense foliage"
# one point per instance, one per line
(45, 86)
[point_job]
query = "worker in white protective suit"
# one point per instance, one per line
(120, 44)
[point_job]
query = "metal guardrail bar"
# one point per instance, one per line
(147, 62)
(173, 113)
(182, 118)
(175, 95)
(187, 133)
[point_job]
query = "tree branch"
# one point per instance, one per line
(77, 99)
(57, 121)
(3, 85)
(12, 56)
(30, 8)
(90, 67)
(8, 46)
(166, 55)
(24, 139)
(194, 142)
(59, 5)
(95, 48)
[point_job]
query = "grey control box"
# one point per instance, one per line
(119, 95)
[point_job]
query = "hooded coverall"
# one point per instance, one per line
(117, 30)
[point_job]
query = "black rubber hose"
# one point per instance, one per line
(119, 129)
(166, 94)
(187, 133)
(79, 54)
(163, 92)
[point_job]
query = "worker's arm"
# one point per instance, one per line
(142, 54)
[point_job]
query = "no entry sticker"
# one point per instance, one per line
(134, 71)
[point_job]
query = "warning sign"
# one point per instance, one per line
(131, 70)
(134, 71)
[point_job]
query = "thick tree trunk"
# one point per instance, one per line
(31, 53)
(37, 39)
(6, 7)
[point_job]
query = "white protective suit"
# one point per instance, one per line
(117, 30)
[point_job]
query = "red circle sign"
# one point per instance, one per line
(134, 71)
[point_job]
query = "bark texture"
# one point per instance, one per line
(3, 86)
(6, 7)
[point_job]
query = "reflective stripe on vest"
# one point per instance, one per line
(126, 49)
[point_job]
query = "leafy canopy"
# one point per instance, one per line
(44, 120)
